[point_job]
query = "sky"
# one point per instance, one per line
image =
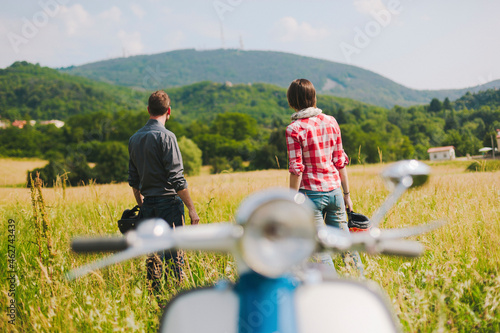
(421, 44)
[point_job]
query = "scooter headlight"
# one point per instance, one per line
(279, 231)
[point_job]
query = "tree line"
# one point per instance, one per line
(242, 127)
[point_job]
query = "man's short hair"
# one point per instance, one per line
(158, 103)
(301, 94)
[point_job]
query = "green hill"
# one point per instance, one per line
(184, 67)
(41, 93)
(31, 91)
(264, 102)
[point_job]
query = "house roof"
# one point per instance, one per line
(438, 149)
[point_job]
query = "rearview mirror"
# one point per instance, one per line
(409, 173)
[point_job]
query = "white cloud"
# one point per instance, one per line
(137, 10)
(113, 14)
(74, 18)
(131, 43)
(288, 29)
(369, 6)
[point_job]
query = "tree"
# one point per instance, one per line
(447, 104)
(236, 126)
(435, 105)
(48, 174)
(272, 155)
(267, 158)
(75, 167)
(191, 156)
(219, 164)
(341, 117)
(112, 163)
(451, 122)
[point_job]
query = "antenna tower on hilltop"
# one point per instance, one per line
(242, 46)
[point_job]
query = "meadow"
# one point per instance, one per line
(453, 287)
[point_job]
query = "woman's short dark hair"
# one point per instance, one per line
(158, 103)
(301, 94)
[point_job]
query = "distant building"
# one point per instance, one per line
(57, 123)
(19, 123)
(22, 123)
(441, 153)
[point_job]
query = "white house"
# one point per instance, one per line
(441, 153)
(57, 123)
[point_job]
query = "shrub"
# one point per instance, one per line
(486, 165)
(191, 156)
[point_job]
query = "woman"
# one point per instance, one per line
(317, 160)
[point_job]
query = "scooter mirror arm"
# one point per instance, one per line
(390, 201)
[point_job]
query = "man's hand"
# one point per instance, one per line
(138, 197)
(186, 198)
(194, 217)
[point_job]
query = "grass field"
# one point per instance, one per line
(453, 287)
(13, 171)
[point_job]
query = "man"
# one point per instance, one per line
(157, 180)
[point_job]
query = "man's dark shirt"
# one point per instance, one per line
(155, 165)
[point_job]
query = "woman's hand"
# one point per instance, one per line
(348, 202)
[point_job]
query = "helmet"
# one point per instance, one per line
(358, 222)
(130, 219)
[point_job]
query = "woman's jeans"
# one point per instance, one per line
(330, 210)
(171, 209)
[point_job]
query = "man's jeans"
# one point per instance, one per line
(171, 209)
(330, 210)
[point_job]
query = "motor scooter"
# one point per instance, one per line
(278, 290)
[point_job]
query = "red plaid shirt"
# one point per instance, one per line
(315, 151)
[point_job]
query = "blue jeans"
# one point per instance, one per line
(330, 210)
(171, 209)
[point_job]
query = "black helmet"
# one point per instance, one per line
(358, 222)
(130, 219)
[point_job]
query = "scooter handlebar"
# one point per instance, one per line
(99, 244)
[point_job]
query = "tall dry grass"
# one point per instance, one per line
(454, 287)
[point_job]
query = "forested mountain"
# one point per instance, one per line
(184, 67)
(31, 91)
(41, 93)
